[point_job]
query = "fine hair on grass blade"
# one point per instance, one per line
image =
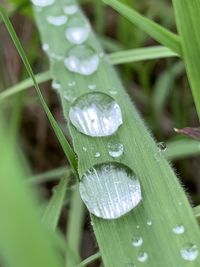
(63, 141)
(164, 204)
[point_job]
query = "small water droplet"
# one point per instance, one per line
(92, 86)
(78, 30)
(57, 20)
(42, 3)
(71, 83)
(70, 9)
(106, 199)
(142, 256)
(113, 92)
(189, 252)
(56, 85)
(96, 114)
(97, 155)
(45, 47)
(180, 203)
(137, 241)
(69, 96)
(149, 223)
(137, 226)
(82, 59)
(84, 149)
(179, 229)
(162, 147)
(115, 150)
(56, 56)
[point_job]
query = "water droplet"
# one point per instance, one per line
(45, 47)
(179, 229)
(189, 252)
(96, 114)
(71, 83)
(162, 147)
(137, 226)
(92, 86)
(70, 9)
(69, 96)
(42, 3)
(82, 59)
(57, 20)
(56, 85)
(110, 190)
(113, 92)
(149, 223)
(142, 256)
(78, 30)
(115, 149)
(180, 203)
(97, 155)
(137, 241)
(84, 149)
(56, 56)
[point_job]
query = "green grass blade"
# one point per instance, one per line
(182, 148)
(162, 192)
(74, 230)
(63, 142)
(140, 54)
(89, 260)
(54, 207)
(159, 33)
(24, 241)
(188, 20)
(40, 78)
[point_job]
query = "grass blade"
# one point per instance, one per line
(188, 19)
(53, 210)
(64, 144)
(89, 260)
(159, 33)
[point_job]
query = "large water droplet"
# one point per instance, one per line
(42, 3)
(110, 190)
(96, 114)
(78, 30)
(70, 9)
(189, 252)
(179, 229)
(162, 147)
(137, 241)
(115, 150)
(57, 20)
(82, 59)
(142, 256)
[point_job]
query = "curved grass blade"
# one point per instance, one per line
(89, 260)
(159, 33)
(63, 141)
(188, 19)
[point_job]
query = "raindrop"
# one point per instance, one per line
(96, 114)
(92, 86)
(70, 9)
(137, 241)
(189, 252)
(149, 223)
(42, 3)
(45, 47)
(110, 190)
(84, 149)
(71, 83)
(142, 256)
(115, 150)
(179, 229)
(137, 226)
(113, 92)
(57, 20)
(69, 96)
(82, 59)
(78, 30)
(162, 147)
(97, 155)
(56, 85)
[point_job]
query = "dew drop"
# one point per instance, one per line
(96, 114)
(82, 59)
(45, 47)
(113, 92)
(115, 150)
(69, 96)
(71, 83)
(56, 85)
(179, 229)
(42, 3)
(70, 9)
(110, 190)
(149, 223)
(92, 86)
(57, 20)
(137, 241)
(137, 226)
(162, 147)
(142, 256)
(77, 31)
(84, 149)
(97, 155)
(189, 252)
